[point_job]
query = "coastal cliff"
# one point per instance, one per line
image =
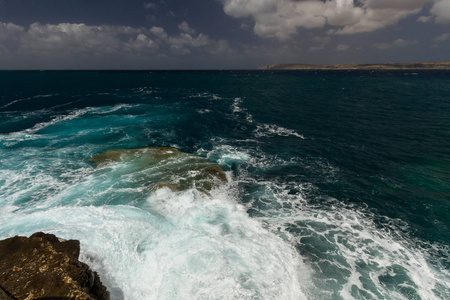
(44, 266)
(388, 66)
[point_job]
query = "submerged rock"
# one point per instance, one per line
(43, 266)
(166, 167)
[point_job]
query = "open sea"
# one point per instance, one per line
(338, 182)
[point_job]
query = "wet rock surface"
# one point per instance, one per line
(165, 167)
(46, 267)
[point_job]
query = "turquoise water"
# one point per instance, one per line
(338, 182)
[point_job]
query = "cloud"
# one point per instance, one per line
(282, 18)
(182, 43)
(442, 38)
(70, 41)
(159, 32)
(81, 38)
(342, 47)
(424, 19)
(279, 19)
(398, 43)
(247, 8)
(316, 48)
(10, 36)
(184, 26)
(321, 42)
(149, 5)
(441, 11)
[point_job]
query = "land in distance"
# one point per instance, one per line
(385, 66)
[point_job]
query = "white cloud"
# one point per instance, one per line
(381, 13)
(404, 43)
(159, 32)
(441, 11)
(282, 18)
(342, 13)
(398, 43)
(247, 8)
(80, 38)
(424, 19)
(184, 26)
(10, 36)
(181, 42)
(69, 41)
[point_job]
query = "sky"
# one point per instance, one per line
(219, 34)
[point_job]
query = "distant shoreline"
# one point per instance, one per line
(385, 66)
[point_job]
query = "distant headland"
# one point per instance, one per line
(385, 66)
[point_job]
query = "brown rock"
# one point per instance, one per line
(160, 167)
(45, 267)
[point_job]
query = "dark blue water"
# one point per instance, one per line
(338, 182)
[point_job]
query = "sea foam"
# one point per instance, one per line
(184, 245)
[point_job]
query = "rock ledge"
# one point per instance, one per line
(46, 267)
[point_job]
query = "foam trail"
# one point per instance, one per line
(26, 99)
(58, 119)
(262, 129)
(272, 129)
(236, 105)
(12, 102)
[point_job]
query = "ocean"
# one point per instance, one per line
(337, 182)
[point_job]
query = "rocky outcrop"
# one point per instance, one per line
(167, 167)
(45, 267)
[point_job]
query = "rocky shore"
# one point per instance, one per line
(46, 267)
(388, 66)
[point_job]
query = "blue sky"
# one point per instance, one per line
(219, 34)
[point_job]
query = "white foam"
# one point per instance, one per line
(247, 156)
(227, 155)
(161, 245)
(203, 111)
(57, 119)
(236, 105)
(29, 134)
(143, 91)
(206, 95)
(376, 262)
(26, 99)
(12, 102)
(178, 246)
(111, 109)
(268, 130)
(262, 129)
(362, 259)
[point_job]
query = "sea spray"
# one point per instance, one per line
(179, 245)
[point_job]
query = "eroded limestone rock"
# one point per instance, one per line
(165, 167)
(43, 266)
